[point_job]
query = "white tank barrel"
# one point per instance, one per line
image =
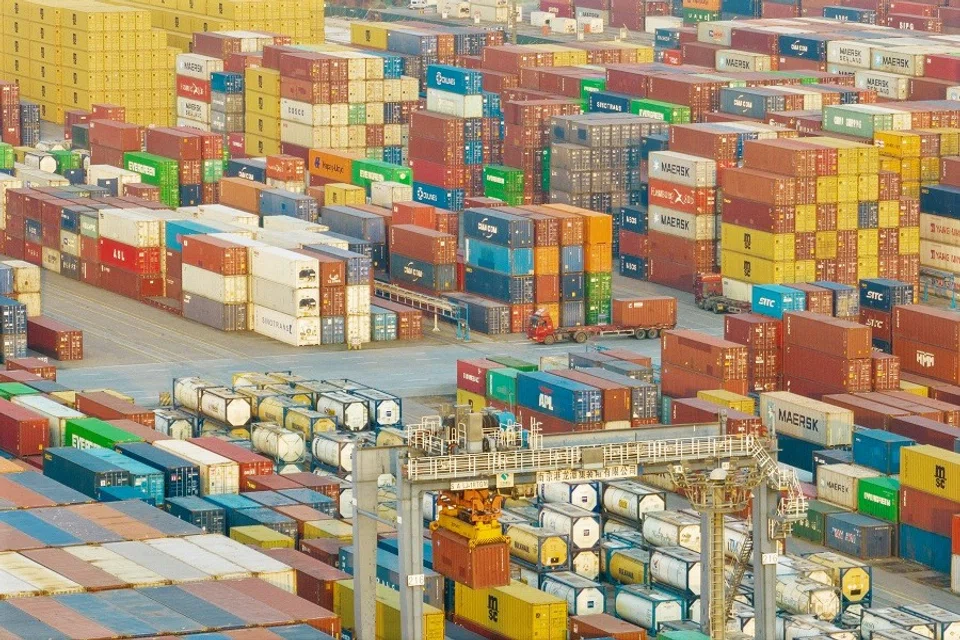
(646, 607)
(789, 565)
(528, 576)
(676, 567)
(672, 529)
(584, 597)
(946, 623)
(632, 500)
(798, 595)
(612, 525)
(334, 450)
(585, 495)
(794, 627)
(586, 564)
(543, 549)
(883, 618)
(735, 535)
(212, 401)
(384, 408)
(582, 526)
(280, 444)
(174, 423)
(350, 412)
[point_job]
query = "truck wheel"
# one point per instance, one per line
(639, 334)
(549, 339)
(653, 333)
(580, 337)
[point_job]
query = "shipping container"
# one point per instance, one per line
(181, 477)
(859, 535)
(388, 612)
(809, 420)
(198, 512)
(517, 610)
(84, 472)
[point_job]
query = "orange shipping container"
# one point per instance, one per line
(332, 165)
(478, 567)
(645, 312)
(597, 258)
(546, 261)
(597, 227)
(603, 625)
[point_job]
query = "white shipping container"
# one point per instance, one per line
(384, 194)
(684, 169)
(196, 124)
(26, 276)
(218, 475)
(841, 69)
(806, 419)
(116, 565)
(953, 93)
(191, 109)
(734, 60)
(358, 329)
(652, 23)
(796, 627)
(812, 101)
(213, 286)
(490, 14)
(299, 303)
(31, 301)
(737, 289)
(70, 243)
(50, 259)
(540, 18)
(217, 567)
(194, 65)
(887, 85)
(55, 413)
(584, 12)
(589, 24)
(903, 60)
(129, 227)
(940, 229)
(849, 53)
(672, 529)
(280, 444)
(334, 449)
(688, 226)
(955, 573)
(563, 25)
(884, 618)
(284, 266)
(716, 32)
(13, 587)
(304, 134)
(837, 483)
(260, 565)
(584, 597)
(939, 256)
(582, 494)
(632, 500)
(212, 401)
(453, 104)
(312, 115)
(227, 215)
(157, 561)
(299, 332)
(581, 525)
(35, 574)
(800, 596)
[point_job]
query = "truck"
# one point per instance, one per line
(708, 294)
(637, 317)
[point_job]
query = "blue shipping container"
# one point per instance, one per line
(119, 621)
(941, 200)
(137, 605)
(774, 300)
(434, 277)
(879, 450)
(388, 574)
(332, 330)
(232, 504)
(84, 472)
(883, 294)
(571, 286)
(48, 488)
(248, 169)
(831, 456)
(315, 499)
(38, 529)
(457, 80)
(925, 547)
(497, 227)
(188, 604)
(486, 316)
(226, 82)
(278, 202)
(571, 259)
(180, 477)
(191, 195)
(849, 14)
(355, 222)
(858, 535)
(634, 218)
(514, 262)
(609, 102)
(267, 517)
(269, 498)
(142, 476)
(666, 38)
(564, 399)
(198, 512)
(740, 8)
(499, 286)
(633, 267)
(807, 47)
(175, 230)
(21, 624)
(392, 545)
(451, 199)
(156, 518)
(754, 102)
(796, 453)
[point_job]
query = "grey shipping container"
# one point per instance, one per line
(859, 535)
(268, 518)
(226, 317)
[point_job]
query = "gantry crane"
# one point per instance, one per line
(719, 473)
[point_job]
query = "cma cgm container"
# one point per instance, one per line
(181, 477)
(564, 399)
(85, 473)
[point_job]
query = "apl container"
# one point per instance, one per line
(565, 399)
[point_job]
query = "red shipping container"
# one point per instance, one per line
(950, 171)
(603, 625)
(679, 382)
(926, 511)
(140, 260)
(662, 270)
(761, 332)
(19, 376)
(955, 535)
(687, 199)
(213, 254)
(852, 376)
(315, 579)
(949, 412)
(550, 424)
(193, 88)
(659, 311)
(35, 366)
(329, 486)
(927, 360)
(829, 335)
(867, 413)
(250, 463)
(22, 432)
(699, 255)
(32, 253)
(448, 222)
(326, 550)
(54, 338)
(127, 283)
(616, 398)
(520, 317)
(886, 372)
(926, 431)
(704, 354)
(476, 566)
(107, 407)
(928, 325)
(106, 111)
(333, 301)
(267, 482)
(634, 244)
(115, 135)
(472, 375)
(880, 322)
(914, 23)
(423, 244)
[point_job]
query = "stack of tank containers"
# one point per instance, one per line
(572, 510)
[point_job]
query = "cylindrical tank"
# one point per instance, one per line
(384, 408)
(349, 411)
(586, 564)
(585, 495)
(735, 535)
(390, 437)
(628, 566)
(215, 402)
(676, 567)
(672, 529)
(612, 525)
(274, 409)
(798, 595)
(632, 500)
(334, 449)
(252, 379)
(284, 468)
(851, 576)
(541, 548)
(308, 422)
(346, 503)
(789, 565)
(883, 618)
(583, 596)
(582, 526)
(795, 627)
(280, 444)
(646, 607)
(289, 391)
(947, 622)
(174, 423)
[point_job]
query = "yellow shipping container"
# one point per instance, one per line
(546, 261)
(826, 246)
(931, 470)
(805, 271)
(740, 266)
(262, 80)
(728, 399)
(761, 244)
(388, 612)
(929, 169)
(910, 189)
(336, 529)
(514, 611)
(468, 399)
(901, 144)
(369, 34)
(848, 216)
(949, 139)
(340, 193)
(826, 189)
(915, 389)
(868, 242)
(910, 169)
(889, 214)
(263, 104)
(867, 267)
(846, 188)
(868, 186)
(258, 535)
(909, 240)
(805, 218)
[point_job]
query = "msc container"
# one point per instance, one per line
(672, 529)
(879, 450)
(676, 567)
(859, 535)
(879, 497)
(884, 618)
(631, 500)
(198, 512)
(517, 610)
(22, 431)
(837, 483)
(350, 412)
(142, 476)
(806, 419)
(582, 526)
(217, 474)
(585, 495)
(931, 470)
(646, 607)
(583, 596)
(81, 471)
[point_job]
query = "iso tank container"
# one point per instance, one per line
(334, 450)
(647, 607)
(198, 512)
(55, 414)
(564, 399)
(181, 476)
(540, 548)
(677, 568)
(218, 475)
(808, 597)
(887, 618)
(384, 408)
(946, 624)
(625, 564)
(212, 400)
(513, 611)
(79, 470)
(280, 444)
(806, 419)
(583, 596)
(174, 423)
(672, 529)
(582, 526)
(585, 495)
(349, 411)
(631, 500)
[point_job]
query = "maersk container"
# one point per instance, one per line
(217, 474)
(774, 300)
(676, 567)
(684, 169)
(632, 500)
(925, 548)
(582, 526)
(454, 79)
(858, 535)
(497, 227)
(198, 512)
(433, 277)
(808, 597)
(57, 415)
(885, 618)
(142, 476)
(212, 400)
(806, 419)
(585, 495)
(879, 450)
(388, 574)
(494, 257)
(564, 399)
(334, 449)
(946, 624)
(350, 412)
(672, 529)
(86, 433)
(86, 473)
(883, 294)
(584, 597)
(647, 607)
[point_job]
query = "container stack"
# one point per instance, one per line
(928, 504)
(927, 341)
(10, 113)
(157, 171)
(285, 291)
(763, 338)
(558, 404)
(423, 259)
(693, 362)
(344, 308)
(804, 426)
(633, 245)
(878, 297)
(194, 99)
(101, 36)
(199, 159)
(215, 282)
(129, 252)
(108, 140)
(939, 230)
(823, 355)
(13, 329)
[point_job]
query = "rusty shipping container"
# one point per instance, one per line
(107, 407)
(705, 354)
(829, 335)
(54, 339)
(478, 567)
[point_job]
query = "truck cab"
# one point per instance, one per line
(540, 329)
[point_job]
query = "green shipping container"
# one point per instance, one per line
(65, 160)
(880, 498)
(694, 16)
(504, 179)
(502, 385)
(153, 169)
(848, 120)
(11, 389)
(591, 85)
(212, 171)
(6, 156)
(515, 363)
(357, 114)
(366, 172)
(682, 635)
(86, 433)
(666, 111)
(812, 529)
(545, 175)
